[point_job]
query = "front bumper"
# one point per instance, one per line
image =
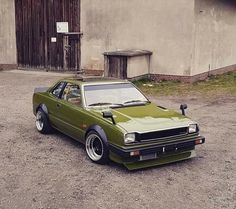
(161, 154)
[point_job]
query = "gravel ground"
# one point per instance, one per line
(53, 171)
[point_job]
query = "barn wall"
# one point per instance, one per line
(215, 32)
(163, 27)
(7, 34)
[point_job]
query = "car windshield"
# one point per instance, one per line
(118, 94)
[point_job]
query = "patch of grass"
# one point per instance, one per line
(215, 85)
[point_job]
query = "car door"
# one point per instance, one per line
(70, 110)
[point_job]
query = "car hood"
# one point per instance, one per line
(145, 118)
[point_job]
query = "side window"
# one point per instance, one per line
(57, 90)
(72, 94)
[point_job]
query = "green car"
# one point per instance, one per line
(116, 122)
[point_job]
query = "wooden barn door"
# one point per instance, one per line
(38, 43)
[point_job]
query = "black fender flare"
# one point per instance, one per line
(44, 108)
(100, 131)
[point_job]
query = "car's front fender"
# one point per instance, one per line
(100, 131)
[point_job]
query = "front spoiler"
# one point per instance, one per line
(160, 161)
(165, 153)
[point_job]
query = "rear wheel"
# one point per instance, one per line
(42, 122)
(96, 149)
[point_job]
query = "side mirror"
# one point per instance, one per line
(183, 107)
(108, 115)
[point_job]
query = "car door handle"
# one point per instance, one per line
(58, 105)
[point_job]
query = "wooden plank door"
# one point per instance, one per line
(36, 32)
(117, 67)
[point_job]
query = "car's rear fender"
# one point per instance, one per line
(39, 102)
(43, 107)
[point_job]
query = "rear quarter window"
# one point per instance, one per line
(57, 90)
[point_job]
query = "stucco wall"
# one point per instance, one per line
(7, 33)
(163, 27)
(137, 66)
(215, 35)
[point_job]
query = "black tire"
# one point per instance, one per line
(42, 123)
(96, 149)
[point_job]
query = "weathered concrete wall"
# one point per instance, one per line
(215, 35)
(7, 33)
(163, 27)
(138, 66)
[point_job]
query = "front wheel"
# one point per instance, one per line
(96, 149)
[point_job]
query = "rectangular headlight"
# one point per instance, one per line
(192, 128)
(129, 138)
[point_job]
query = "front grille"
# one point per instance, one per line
(163, 134)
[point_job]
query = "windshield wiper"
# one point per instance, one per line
(100, 104)
(117, 105)
(136, 101)
(105, 103)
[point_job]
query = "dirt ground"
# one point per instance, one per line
(53, 171)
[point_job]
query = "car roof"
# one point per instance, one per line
(93, 80)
